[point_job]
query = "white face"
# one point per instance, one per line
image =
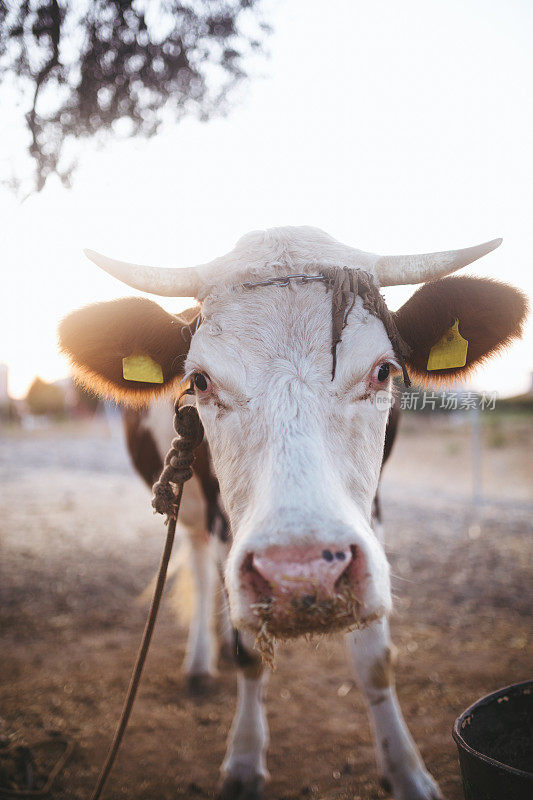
(297, 455)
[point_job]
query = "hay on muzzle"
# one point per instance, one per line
(308, 614)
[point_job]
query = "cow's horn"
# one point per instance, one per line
(399, 270)
(157, 280)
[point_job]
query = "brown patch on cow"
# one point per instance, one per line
(391, 431)
(377, 701)
(203, 469)
(141, 446)
(250, 664)
(204, 472)
(490, 315)
(253, 671)
(382, 670)
(97, 337)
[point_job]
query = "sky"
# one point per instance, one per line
(396, 127)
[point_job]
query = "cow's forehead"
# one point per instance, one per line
(262, 326)
(279, 251)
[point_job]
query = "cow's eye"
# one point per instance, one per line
(383, 372)
(202, 383)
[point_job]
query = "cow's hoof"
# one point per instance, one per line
(418, 785)
(235, 789)
(200, 684)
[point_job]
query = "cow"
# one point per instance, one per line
(290, 355)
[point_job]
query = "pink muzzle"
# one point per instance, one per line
(294, 570)
(300, 589)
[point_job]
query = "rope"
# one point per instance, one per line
(177, 467)
(177, 470)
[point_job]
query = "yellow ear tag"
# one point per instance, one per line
(450, 351)
(142, 368)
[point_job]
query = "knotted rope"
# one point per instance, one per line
(177, 468)
(167, 498)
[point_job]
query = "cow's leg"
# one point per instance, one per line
(225, 628)
(200, 658)
(401, 766)
(244, 769)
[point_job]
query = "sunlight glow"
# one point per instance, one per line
(396, 127)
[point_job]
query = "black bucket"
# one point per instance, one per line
(495, 742)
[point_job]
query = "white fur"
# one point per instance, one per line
(297, 455)
(263, 253)
(201, 653)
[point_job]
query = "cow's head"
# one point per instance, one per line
(297, 453)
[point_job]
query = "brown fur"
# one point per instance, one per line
(382, 670)
(490, 315)
(251, 664)
(391, 431)
(141, 446)
(97, 337)
(204, 472)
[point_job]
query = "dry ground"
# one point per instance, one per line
(78, 544)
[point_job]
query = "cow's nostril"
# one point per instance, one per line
(296, 570)
(260, 585)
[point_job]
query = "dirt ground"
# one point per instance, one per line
(78, 543)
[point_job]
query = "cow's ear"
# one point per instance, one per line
(129, 349)
(453, 324)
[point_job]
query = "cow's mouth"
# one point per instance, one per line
(307, 609)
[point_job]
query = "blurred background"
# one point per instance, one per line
(160, 132)
(394, 127)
